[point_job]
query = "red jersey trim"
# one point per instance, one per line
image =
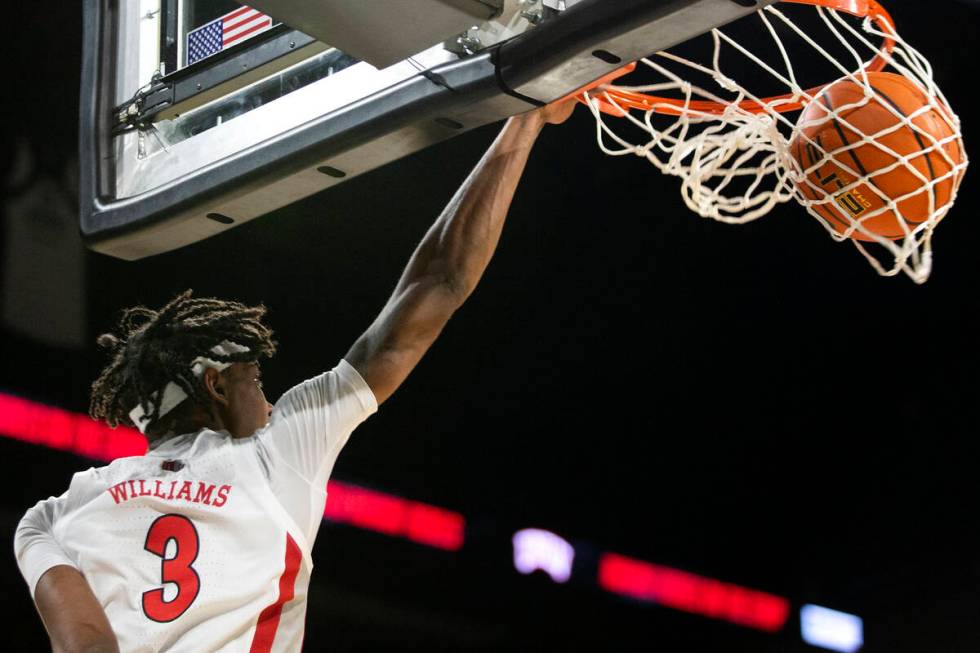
(265, 630)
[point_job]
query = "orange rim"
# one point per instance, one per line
(644, 102)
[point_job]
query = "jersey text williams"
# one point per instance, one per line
(207, 493)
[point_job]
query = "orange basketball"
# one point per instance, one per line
(872, 117)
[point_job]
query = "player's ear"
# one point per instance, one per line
(215, 385)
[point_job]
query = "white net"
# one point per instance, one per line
(875, 157)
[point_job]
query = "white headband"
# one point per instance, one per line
(173, 394)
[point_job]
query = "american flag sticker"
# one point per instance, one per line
(234, 27)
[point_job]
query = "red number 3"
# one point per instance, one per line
(175, 570)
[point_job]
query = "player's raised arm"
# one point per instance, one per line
(451, 258)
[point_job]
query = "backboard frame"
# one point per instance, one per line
(581, 44)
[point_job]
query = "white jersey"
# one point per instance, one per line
(203, 544)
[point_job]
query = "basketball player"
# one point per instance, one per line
(203, 544)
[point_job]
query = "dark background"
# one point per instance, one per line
(749, 403)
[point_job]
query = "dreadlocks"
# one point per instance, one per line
(158, 347)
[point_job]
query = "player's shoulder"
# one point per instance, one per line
(88, 483)
(325, 388)
(102, 476)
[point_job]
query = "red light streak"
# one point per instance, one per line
(394, 516)
(692, 593)
(36, 423)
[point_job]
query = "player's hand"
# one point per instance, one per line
(557, 112)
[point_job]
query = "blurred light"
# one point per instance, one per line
(36, 423)
(830, 629)
(692, 593)
(536, 549)
(391, 515)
